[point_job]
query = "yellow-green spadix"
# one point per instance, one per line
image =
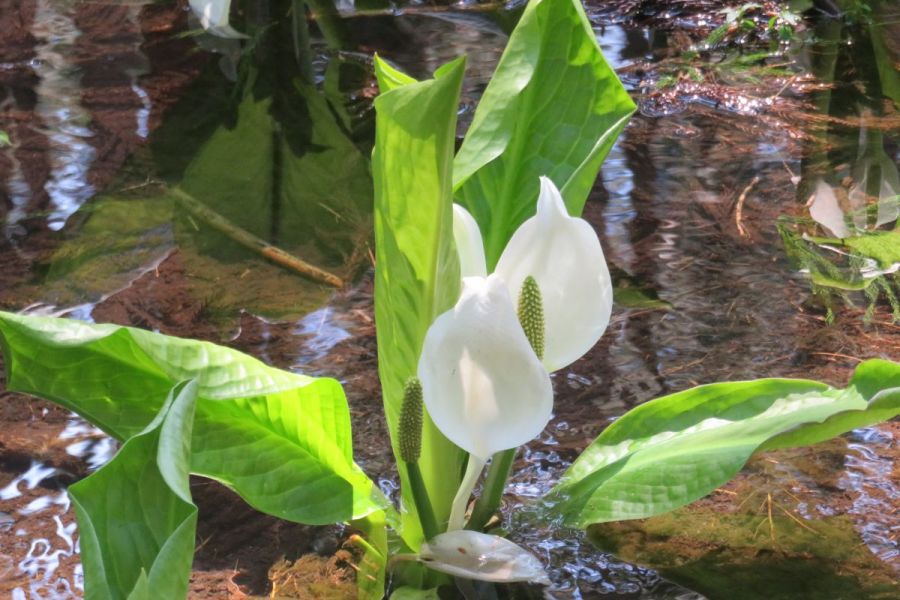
(565, 258)
(482, 383)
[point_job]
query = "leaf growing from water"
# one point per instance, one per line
(553, 107)
(280, 440)
(417, 272)
(878, 381)
(676, 449)
(135, 515)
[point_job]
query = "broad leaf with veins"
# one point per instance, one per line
(280, 440)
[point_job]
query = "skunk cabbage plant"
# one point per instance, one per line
(486, 281)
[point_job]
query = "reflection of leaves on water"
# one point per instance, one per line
(866, 263)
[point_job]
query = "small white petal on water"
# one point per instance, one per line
(483, 557)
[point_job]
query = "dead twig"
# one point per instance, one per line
(250, 241)
(739, 211)
(837, 355)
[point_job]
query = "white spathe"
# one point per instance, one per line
(469, 245)
(564, 256)
(482, 384)
(213, 15)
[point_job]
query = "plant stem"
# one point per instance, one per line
(487, 504)
(458, 511)
(361, 543)
(420, 499)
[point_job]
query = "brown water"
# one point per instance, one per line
(106, 103)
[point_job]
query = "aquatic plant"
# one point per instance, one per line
(464, 358)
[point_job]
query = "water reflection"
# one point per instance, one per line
(870, 465)
(849, 179)
(59, 109)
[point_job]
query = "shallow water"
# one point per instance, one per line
(693, 206)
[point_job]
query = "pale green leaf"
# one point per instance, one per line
(882, 246)
(280, 440)
(553, 107)
(676, 449)
(388, 77)
(135, 515)
(877, 381)
(417, 272)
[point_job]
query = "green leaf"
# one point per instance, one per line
(410, 593)
(135, 515)
(676, 449)
(388, 77)
(883, 246)
(372, 568)
(280, 440)
(878, 381)
(553, 107)
(417, 271)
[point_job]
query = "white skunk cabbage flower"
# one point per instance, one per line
(564, 256)
(482, 384)
(485, 386)
(213, 15)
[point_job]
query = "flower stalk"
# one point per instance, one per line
(410, 442)
(461, 501)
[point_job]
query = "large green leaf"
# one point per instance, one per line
(280, 440)
(878, 381)
(135, 515)
(676, 449)
(553, 107)
(417, 272)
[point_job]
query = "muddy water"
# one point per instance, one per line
(696, 206)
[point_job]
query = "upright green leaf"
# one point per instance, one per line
(417, 272)
(135, 515)
(280, 440)
(553, 107)
(676, 449)
(388, 77)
